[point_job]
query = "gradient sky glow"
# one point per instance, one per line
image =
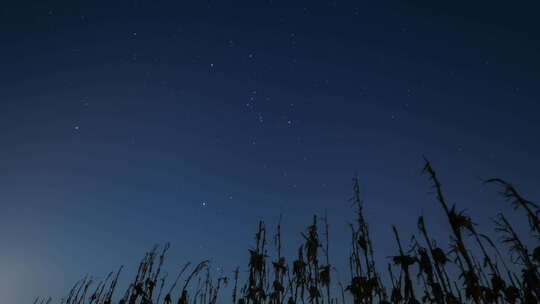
(130, 123)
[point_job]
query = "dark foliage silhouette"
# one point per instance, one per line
(472, 269)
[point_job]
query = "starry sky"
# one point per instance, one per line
(126, 124)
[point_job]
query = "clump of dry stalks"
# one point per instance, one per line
(422, 273)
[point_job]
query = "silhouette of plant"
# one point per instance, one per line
(461, 274)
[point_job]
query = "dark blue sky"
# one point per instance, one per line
(129, 123)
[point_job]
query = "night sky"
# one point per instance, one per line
(126, 124)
